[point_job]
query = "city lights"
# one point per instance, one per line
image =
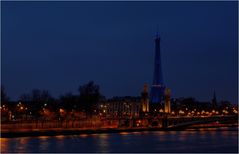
(124, 77)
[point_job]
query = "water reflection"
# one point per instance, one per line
(205, 140)
(124, 133)
(202, 133)
(172, 132)
(23, 146)
(136, 133)
(161, 136)
(225, 133)
(83, 135)
(43, 143)
(60, 137)
(60, 140)
(4, 144)
(183, 135)
(103, 143)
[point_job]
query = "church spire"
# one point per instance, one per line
(214, 100)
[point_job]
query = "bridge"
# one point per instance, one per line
(179, 122)
(176, 122)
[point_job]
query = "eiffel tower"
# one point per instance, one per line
(157, 88)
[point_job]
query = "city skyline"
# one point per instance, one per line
(63, 45)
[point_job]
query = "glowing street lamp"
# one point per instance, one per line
(181, 112)
(61, 110)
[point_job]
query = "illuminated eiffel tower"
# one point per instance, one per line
(157, 89)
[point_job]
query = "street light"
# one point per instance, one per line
(61, 110)
(181, 112)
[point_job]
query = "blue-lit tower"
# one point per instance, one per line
(157, 89)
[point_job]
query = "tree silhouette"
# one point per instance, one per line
(25, 98)
(70, 102)
(37, 100)
(4, 97)
(89, 97)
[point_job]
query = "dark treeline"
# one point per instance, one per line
(39, 101)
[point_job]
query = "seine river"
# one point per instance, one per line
(203, 140)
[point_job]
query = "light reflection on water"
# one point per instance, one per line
(204, 140)
(103, 143)
(44, 143)
(60, 141)
(4, 144)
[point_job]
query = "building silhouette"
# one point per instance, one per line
(145, 99)
(157, 88)
(214, 100)
(167, 102)
(120, 107)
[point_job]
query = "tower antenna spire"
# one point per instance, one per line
(157, 31)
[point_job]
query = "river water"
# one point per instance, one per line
(202, 140)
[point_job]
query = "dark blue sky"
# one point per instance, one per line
(61, 45)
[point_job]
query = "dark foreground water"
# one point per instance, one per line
(202, 140)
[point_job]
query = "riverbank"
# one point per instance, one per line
(75, 131)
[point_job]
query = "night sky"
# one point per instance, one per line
(60, 45)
